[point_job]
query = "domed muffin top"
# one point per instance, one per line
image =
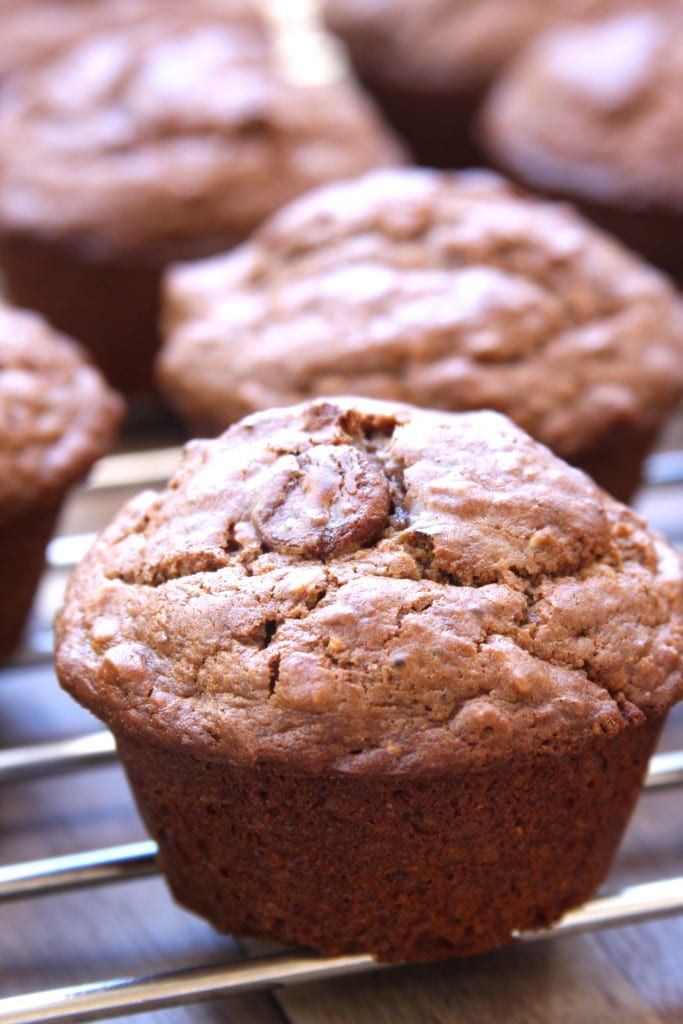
(57, 414)
(452, 291)
(611, 122)
(161, 131)
(364, 587)
(447, 44)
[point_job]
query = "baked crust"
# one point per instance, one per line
(404, 867)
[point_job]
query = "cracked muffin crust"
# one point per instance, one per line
(452, 291)
(162, 139)
(607, 134)
(368, 664)
(57, 416)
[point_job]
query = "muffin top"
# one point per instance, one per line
(148, 135)
(446, 44)
(445, 290)
(611, 121)
(57, 414)
(36, 30)
(359, 586)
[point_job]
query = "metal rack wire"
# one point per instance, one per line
(123, 863)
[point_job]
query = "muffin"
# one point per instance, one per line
(383, 679)
(429, 64)
(36, 30)
(608, 132)
(445, 290)
(57, 416)
(150, 142)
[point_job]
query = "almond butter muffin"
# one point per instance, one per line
(429, 64)
(150, 142)
(451, 291)
(383, 679)
(608, 134)
(57, 416)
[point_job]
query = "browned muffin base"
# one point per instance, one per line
(655, 233)
(439, 127)
(23, 540)
(404, 868)
(110, 306)
(615, 461)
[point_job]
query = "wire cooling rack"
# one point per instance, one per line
(124, 863)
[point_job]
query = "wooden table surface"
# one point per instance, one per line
(625, 974)
(628, 974)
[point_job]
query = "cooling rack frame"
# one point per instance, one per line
(99, 1000)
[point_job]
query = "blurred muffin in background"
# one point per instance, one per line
(446, 290)
(608, 133)
(57, 416)
(153, 141)
(37, 30)
(429, 64)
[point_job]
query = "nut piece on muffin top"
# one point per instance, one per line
(445, 290)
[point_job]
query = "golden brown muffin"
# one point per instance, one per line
(57, 416)
(608, 132)
(451, 291)
(383, 679)
(429, 64)
(149, 142)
